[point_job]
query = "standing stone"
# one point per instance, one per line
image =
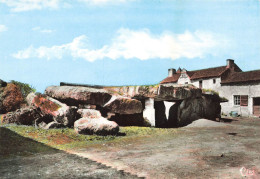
(191, 109)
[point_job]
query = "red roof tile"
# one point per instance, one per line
(171, 79)
(249, 76)
(207, 73)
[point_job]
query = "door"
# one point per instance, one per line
(256, 106)
(200, 84)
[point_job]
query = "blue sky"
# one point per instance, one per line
(123, 42)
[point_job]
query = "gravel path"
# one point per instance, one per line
(205, 123)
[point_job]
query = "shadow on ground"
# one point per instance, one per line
(22, 157)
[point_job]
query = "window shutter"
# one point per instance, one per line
(244, 100)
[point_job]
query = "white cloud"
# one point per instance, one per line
(39, 29)
(3, 28)
(133, 44)
(27, 5)
(101, 2)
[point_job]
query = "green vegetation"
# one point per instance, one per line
(210, 91)
(222, 99)
(67, 138)
(24, 87)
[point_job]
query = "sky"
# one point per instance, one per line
(123, 42)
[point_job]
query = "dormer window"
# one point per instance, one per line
(183, 75)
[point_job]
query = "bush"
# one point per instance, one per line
(24, 87)
(11, 98)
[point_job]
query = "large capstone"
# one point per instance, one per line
(75, 96)
(173, 93)
(160, 93)
(122, 105)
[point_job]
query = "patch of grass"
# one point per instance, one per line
(67, 138)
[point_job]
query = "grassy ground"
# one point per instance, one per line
(67, 138)
(23, 157)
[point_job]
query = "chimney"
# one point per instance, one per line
(171, 72)
(230, 63)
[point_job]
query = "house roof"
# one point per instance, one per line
(204, 73)
(171, 79)
(249, 76)
(207, 73)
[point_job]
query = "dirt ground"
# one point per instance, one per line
(219, 151)
(200, 150)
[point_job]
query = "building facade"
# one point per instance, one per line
(242, 89)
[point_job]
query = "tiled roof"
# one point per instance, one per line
(207, 73)
(171, 79)
(249, 76)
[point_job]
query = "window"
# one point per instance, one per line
(214, 81)
(236, 100)
(241, 100)
(244, 100)
(186, 83)
(183, 75)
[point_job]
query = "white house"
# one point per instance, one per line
(242, 89)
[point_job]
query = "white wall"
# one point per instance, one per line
(208, 83)
(149, 111)
(184, 79)
(168, 105)
(243, 89)
(169, 84)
